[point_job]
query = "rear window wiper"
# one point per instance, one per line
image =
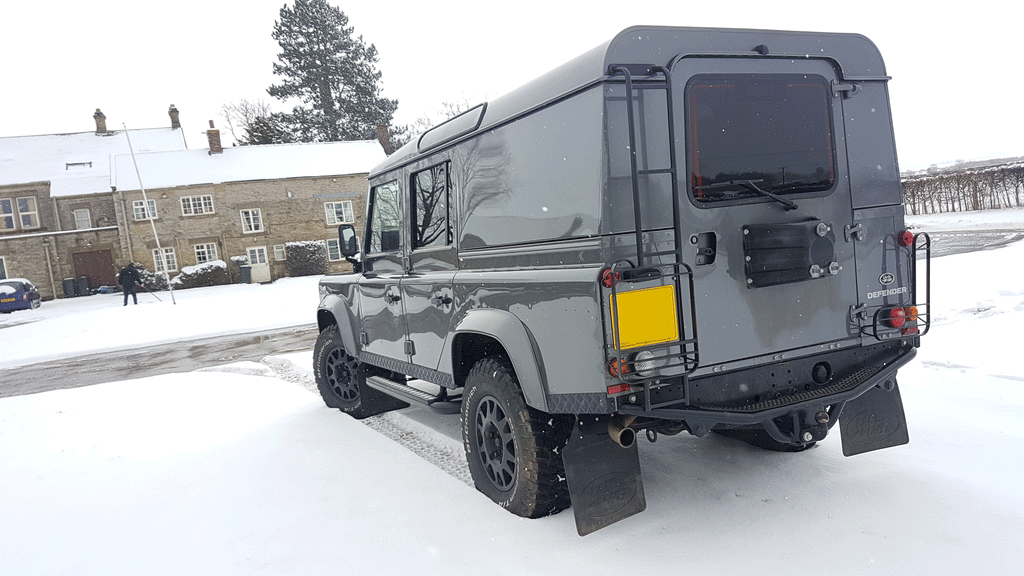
(752, 186)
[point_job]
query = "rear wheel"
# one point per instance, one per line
(513, 450)
(341, 379)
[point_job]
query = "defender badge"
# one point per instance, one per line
(887, 278)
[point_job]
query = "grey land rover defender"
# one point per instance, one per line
(681, 230)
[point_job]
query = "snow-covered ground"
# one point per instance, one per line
(75, 326)
(240, 469)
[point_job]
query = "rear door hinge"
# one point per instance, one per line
(854, 232)
(410, 348)
(858, 313)
(847, 89)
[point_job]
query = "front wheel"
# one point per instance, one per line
(341, 379)
(513, 450)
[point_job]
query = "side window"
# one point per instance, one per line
(431, 201)
(384, 228)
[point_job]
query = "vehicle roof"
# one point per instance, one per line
(855, 56)
(22, 280)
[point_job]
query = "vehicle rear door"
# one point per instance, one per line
(766, 179)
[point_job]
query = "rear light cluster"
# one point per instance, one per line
(642, 364)
(609, 278)
(905, 238)
(905, 318)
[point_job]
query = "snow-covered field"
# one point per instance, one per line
(240, 469)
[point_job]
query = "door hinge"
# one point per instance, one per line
(856, 232)
(858, 313)
(847, 89)
(364, 338)
(410, 348)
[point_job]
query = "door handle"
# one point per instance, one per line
(392, 298)
(441, 300)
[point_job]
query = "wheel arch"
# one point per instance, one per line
(334, 311)
(483, 333)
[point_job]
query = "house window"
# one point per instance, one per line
(252, 220)
(167, 263)
(28, 213)
(192, 205)
(257, 255)
(6, 214)
(3, 268)
(205, 253)
(339, 212)
(279, 252)
(140, 211)
(82, 219)
(19, 213)
(333, 250)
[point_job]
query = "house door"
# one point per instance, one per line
(260, 265)
(97, 266)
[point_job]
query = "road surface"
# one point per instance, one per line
(154, 360)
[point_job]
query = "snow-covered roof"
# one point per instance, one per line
(77, 163)
(246, 163)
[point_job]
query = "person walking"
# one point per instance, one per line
(128, 278)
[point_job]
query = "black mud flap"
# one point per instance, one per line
(874, 420)
(603, 477)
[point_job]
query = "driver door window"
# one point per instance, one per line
(384, 229)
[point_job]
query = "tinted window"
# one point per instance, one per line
(773, 131)
(384, 228)
(431, 195)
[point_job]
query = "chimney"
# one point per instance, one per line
(384, 137)
(173, 112)
(213, 136)
(101, 122)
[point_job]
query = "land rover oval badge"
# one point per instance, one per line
(887, 278)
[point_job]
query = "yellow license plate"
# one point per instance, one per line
(646, 316)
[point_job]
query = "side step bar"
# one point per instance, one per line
(440, 403)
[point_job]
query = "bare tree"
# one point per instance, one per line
(242, 115)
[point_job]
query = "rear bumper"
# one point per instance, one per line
(830, 399)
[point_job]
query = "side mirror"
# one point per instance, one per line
(348, 241)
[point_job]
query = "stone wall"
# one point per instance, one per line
(291, 210)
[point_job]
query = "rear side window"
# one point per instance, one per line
(431, 201)
(748, 132)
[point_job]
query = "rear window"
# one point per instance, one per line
(750, 132)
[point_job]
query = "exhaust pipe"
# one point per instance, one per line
(620, 432)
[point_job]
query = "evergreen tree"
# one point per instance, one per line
(333, 74)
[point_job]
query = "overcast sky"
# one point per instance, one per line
(955, 91)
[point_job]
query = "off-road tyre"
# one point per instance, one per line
(513, 450)
(761, 439)
(341, 379)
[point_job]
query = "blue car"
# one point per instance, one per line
(18, 294)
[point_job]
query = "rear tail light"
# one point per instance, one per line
(911, 313)
(609, 278)
(897, 317)
(906, 238)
